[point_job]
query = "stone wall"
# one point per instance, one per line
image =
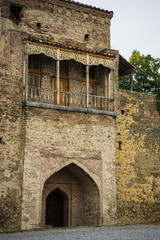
(14, 118)
(11, 131)
(37, 143)
(59, 21)
(138, 159)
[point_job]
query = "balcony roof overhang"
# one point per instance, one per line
(90, 57)
(125, 67)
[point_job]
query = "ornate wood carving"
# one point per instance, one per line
(86, 59)
(42, 49)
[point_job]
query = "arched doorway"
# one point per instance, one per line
(77, 194)
(56, 209)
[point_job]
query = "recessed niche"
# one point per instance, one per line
(1, 141)
(15, 13)
(38, 25)
(122, 112)
(120, 145)
(86, 37)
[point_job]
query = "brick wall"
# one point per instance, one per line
(56, 139)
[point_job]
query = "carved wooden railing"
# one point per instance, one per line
(76, 100)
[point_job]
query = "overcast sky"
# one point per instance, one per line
(135, 25)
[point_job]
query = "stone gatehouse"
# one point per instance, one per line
(75, 150)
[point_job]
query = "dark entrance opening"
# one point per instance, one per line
(57, 209)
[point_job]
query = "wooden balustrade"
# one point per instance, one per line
(77, 100)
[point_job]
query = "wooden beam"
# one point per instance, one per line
(57, 79)
(87, 84)
(57, 74)
(26, 70)
(87, 80)
(109, 89)
(114, 86)
(61, 77)
(126, 72)
(106, 86)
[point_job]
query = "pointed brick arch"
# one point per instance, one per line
(50, 171)
(82, 192)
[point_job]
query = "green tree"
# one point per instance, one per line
(146, 77)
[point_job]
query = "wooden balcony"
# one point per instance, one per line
(69, 80)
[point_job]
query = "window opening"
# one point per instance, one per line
(92, 91)
(33, 75)
(33, 84)
(15, 13)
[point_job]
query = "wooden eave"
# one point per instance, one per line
(69, 47)
(125, 67)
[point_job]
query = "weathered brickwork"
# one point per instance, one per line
(138, 159)
(74, 153)
(55, 140)
(66, 18)
(11, 133)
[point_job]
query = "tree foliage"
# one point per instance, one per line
(146, 77)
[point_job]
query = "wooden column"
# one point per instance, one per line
(26, 48)
(114, 86)
(24, 70)
(106, 87)
(57, 74)
(87, 81)
(109, 90)
(87, 84)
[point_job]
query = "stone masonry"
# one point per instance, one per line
(104, 164)
(138, 159)
(55, 140)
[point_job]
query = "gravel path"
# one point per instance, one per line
(140, 232)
